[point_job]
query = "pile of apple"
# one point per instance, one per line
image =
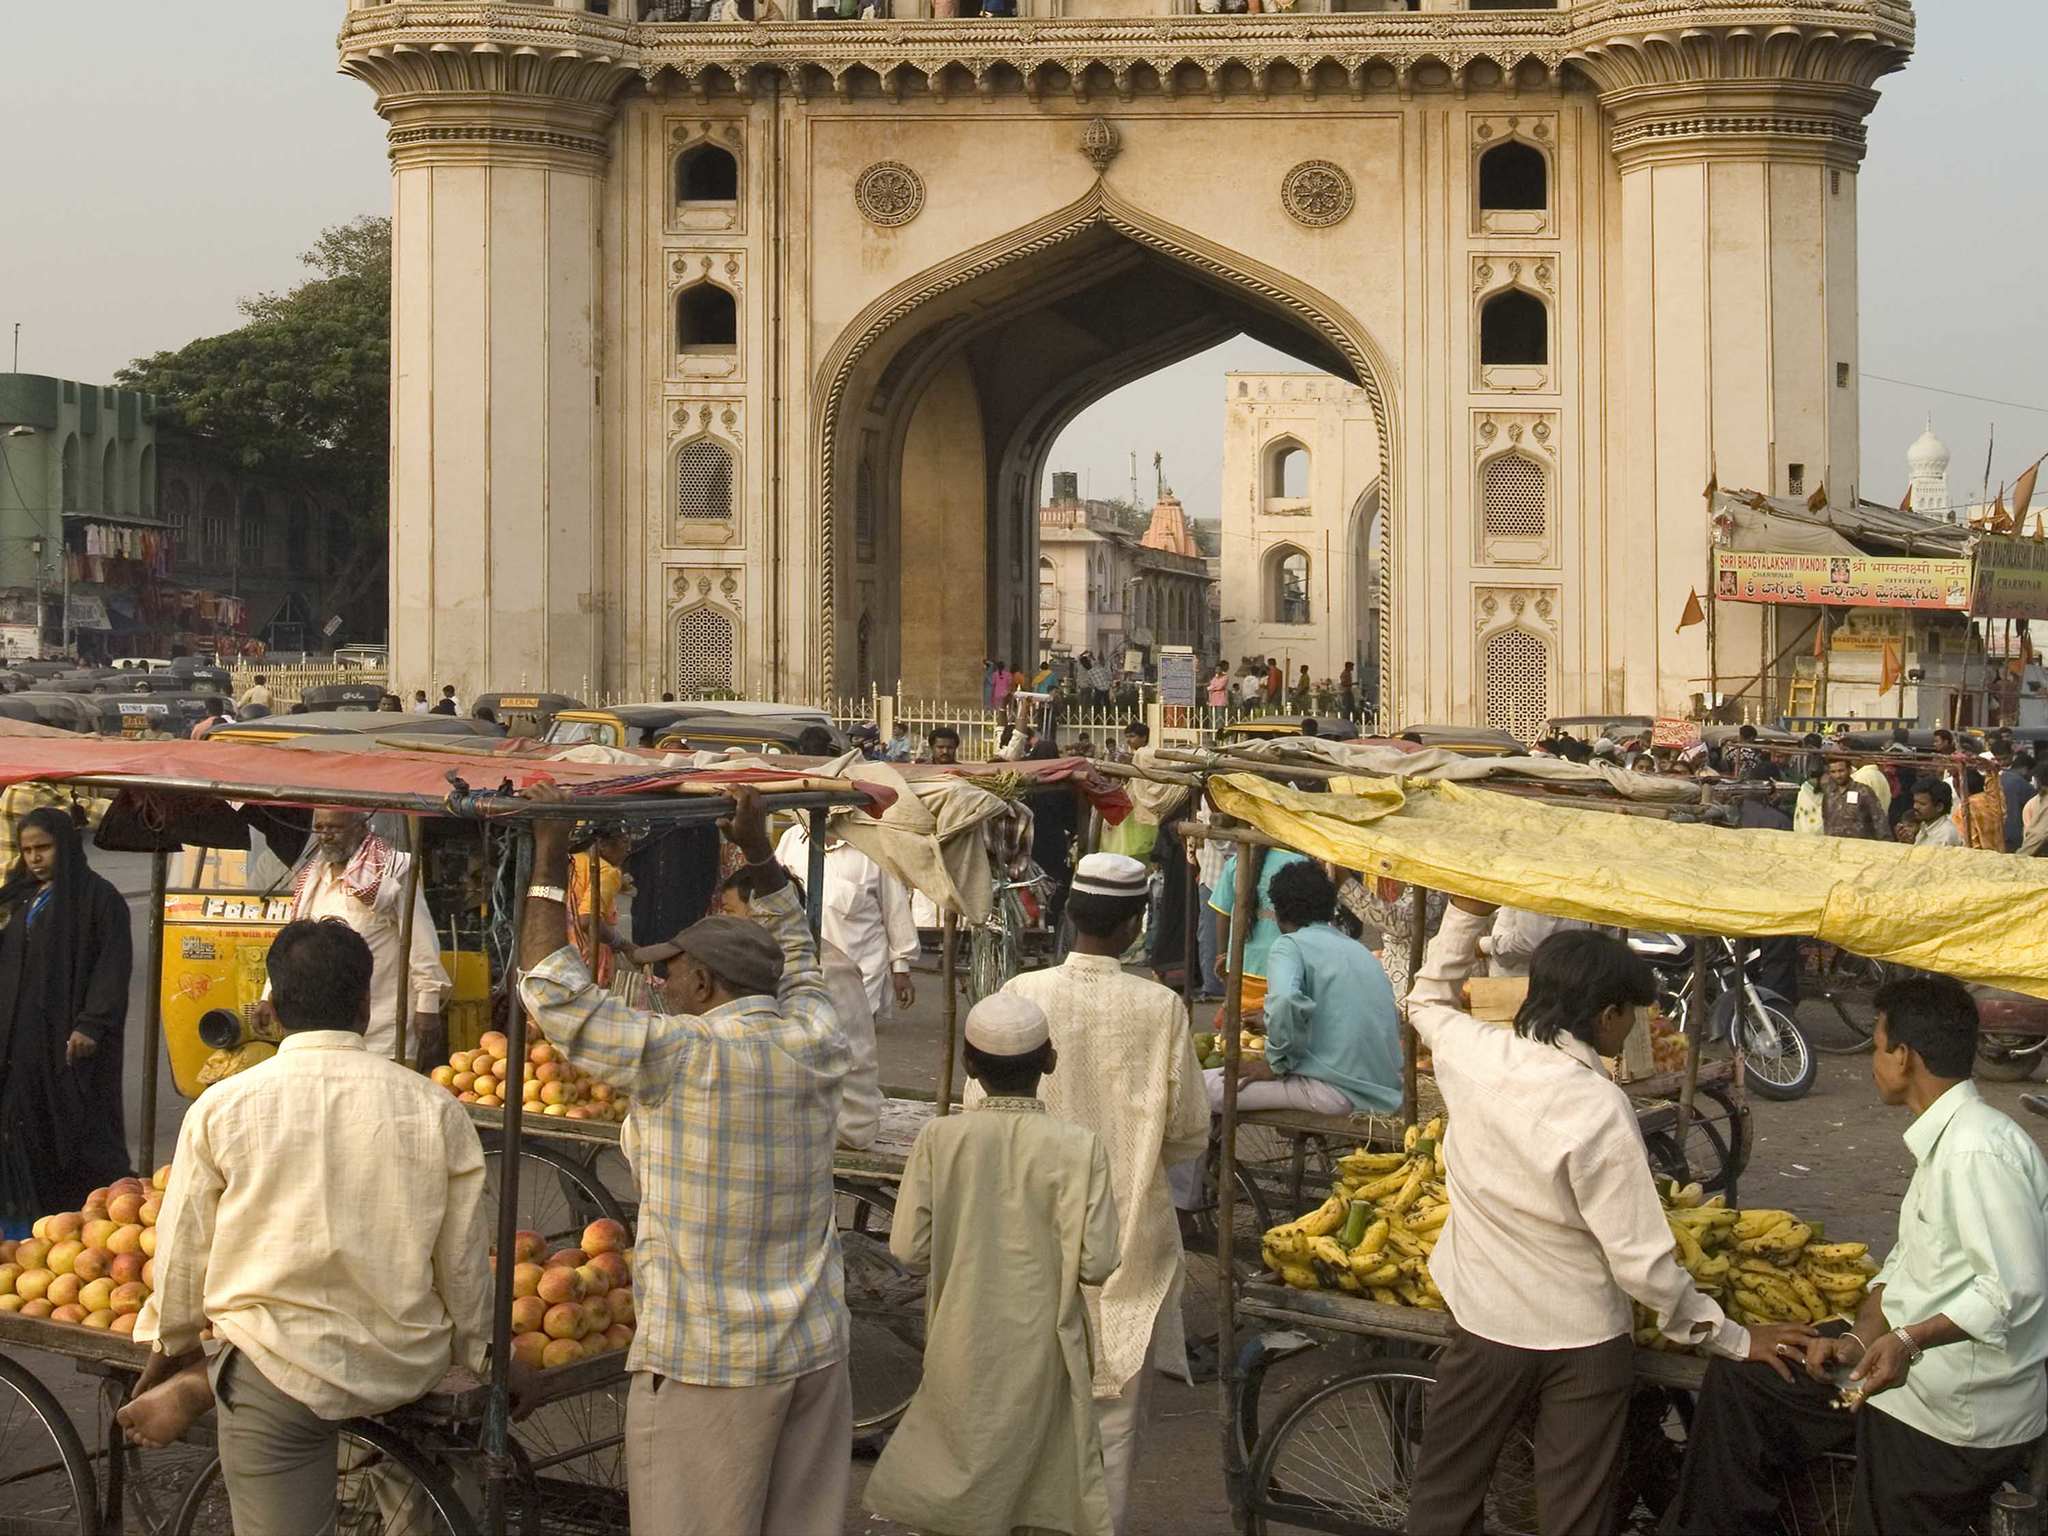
(575, 1302)
(92, 1267)
(548, 1084)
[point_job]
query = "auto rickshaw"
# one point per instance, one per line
(1467, 740)
(524, 714)
(162, 714)
(66, 711)
(344, 698)
(1271, 727)
(762, 733)
(371, 726)
(748, 723)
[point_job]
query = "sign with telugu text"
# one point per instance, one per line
(1177, 680)
(1671, 732)
(1840, 581)
(2010, 579)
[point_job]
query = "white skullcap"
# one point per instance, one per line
(1005, 1024)
(1111, 874)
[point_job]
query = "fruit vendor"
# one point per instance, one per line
(1938, 1387)
(1555, 1227)
(1333, 1043)
(1128, 1074)
(1264, 931)
(356, 876)
(740, 1410)
(325, 1213)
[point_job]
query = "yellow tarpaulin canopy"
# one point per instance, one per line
(1974, 915)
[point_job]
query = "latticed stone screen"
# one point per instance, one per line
(703, 483)
(1514, 497)
(706, 644)
(1517, 683)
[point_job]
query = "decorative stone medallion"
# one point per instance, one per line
(1100, 142)
(888, 193)
(1316, 193)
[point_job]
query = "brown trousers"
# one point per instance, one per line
(772, 1460)
(1580, 1398)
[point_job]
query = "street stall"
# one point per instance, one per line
(1338, 1456)
(434, 1464)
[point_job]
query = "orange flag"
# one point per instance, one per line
(1892, 668)
(1694, 613)
(2001, 520)
(1820, 637)
(2023, 493)
(1907, 504)
(1818, 501)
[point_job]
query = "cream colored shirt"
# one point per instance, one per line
(1550, 1186)
(1127, 1071)
(379, 923)
(326, 1213)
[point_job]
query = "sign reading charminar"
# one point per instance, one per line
(731, 353)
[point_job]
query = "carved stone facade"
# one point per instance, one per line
(1602, 227)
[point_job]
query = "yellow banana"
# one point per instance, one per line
(1785, 1240)
(1371, 1162)
(1686, 1196)
(1409, 1137)
(1386, 1296)
(1431, 1220)
(1385, 1184)
(1832, 1254)
(1756, 1223)
(1835, 1279)
(1375, 1275)
(1405, 1196)
(1407, 1242)
(1689, 1252)
(1327, 1217)
(1374, 1240)
(1300, 1276)
(1330, 1251)
(1816, 1305)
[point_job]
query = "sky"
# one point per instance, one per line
(165, 160)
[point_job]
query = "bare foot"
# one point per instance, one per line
(160, 1416)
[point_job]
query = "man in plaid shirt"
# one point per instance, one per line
(740, 1412)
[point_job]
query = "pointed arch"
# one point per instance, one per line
(1099, 209)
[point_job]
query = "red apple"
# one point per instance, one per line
(593, 1280)
(527, 1313)
(64, 1290)
(95, 1295)
(148, 1275)
(127, 1266)
(11, 1303)
(125, 1208)
(152, 1207)
(161, 1179)
(561, 1352)
(62, 1256)
(31, 1284)
(124, 1322)
(100, 1318)
(94, 1234)
(529, 1247)
(526, 1279)
(620, 1305)
(596, 1316)
(563, 1322)
(618, 1336)
(64, 1226)
(128, 1239)
(615, 1268)
(129, 1297)
(71, 1314)
(91, 1263)
(127, 1186)
(558, 1283)
(569, 1256)
(9, 1273)
(30, 1255)
(527, 1348)
(149, 1242)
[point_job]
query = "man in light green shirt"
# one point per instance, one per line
(1941, 1377)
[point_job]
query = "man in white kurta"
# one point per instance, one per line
(866, 913)
(1010, 1213)
(1129, 1074)
(359, 878)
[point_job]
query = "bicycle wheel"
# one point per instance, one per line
(148, 1483)
(1817, 1497)
(886, 1313)
(558, 1197)
(1777, 1062)
(383, 1484)
(1342, 1457)
(46, 1477)
(1717, 1144)
(995, 949)
(574, 1471)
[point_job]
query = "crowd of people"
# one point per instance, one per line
(1047, 1216)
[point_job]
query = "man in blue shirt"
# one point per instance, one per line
(1944, 1391)
(1333, 1044)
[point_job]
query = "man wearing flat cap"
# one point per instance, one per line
(1009, 1212)
(740, 1411)
(1129, 1074)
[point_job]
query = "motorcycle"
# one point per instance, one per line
(1778, 1062)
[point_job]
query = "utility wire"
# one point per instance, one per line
(2018, 405)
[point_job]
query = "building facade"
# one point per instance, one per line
(722, 355)
(1106, 590)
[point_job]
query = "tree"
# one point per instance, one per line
(303, 389)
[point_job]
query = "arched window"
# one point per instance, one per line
(706, 650)
(1514, 329)
(177, 511)
(1048, 598)
(1513, 496)
(68, 470)
(1286, 471)
(707, 320)
(110, 478)
(145, 482)
(703, 483)
(255, 532)
(1287, 575)
(1514, 176)
(1517, 685)
(707, 173)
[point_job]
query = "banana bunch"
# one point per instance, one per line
(1373, 1236)
(1763, 1266)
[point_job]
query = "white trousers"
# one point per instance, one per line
(1308, 1094)
(1121, 1420)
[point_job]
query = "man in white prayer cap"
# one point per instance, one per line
(1009, 1211)
(1129, 1074)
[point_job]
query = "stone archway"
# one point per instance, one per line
(1108, 293)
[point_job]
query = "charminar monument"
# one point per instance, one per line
(729, 353)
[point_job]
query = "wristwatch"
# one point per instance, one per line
(552, 893)
(1913, 1351)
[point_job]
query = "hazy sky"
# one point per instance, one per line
(165, 159)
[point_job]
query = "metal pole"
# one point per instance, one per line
(814, 874)
(153, 1004)
(1418, 941)
(413, 835)
(1191, 931)
(949, 938)
(1246, 896)
(498, 1467)
(1696, 1009)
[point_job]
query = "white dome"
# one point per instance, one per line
(1928, 455)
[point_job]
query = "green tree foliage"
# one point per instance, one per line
(303, 388)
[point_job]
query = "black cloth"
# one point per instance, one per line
(442, 707)
(1752, 1428)
(63, 966)
(1053, 817)
(1167, 945)
(675, 875)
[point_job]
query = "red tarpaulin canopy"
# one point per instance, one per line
(237, 771)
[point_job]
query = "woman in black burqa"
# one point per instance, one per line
(65, 956)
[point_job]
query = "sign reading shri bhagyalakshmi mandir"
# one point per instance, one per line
(1840, 581)
(2011, 580)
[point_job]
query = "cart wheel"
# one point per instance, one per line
(1717, 1143)
(148, 1484)
(573, 1471)
(614, 1175)
(384, 1484)
(1817, 1497)
(886, 1303)
(996, 948)
(1343, 1455)
(46, 1477)
(558, 1197)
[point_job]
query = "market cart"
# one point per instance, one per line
(454, 1462)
